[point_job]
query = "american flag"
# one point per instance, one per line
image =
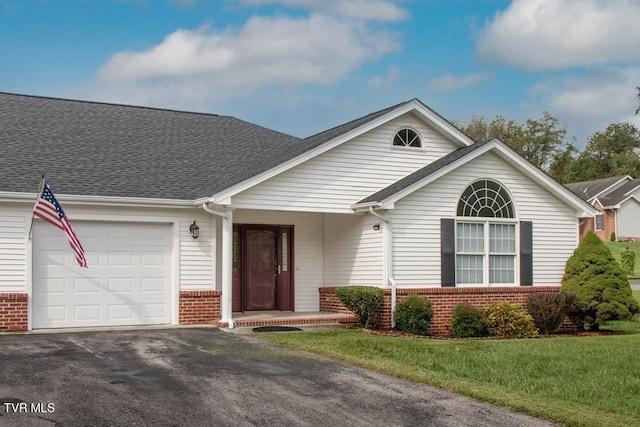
(48, 208)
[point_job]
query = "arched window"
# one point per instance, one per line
(485, 235)
(487, 199)
(407, 138)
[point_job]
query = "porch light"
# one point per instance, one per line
(194, 230)
(376, 227)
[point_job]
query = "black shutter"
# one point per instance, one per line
(447, 252)
(526, 253)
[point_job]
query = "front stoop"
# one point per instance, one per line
(293, 319)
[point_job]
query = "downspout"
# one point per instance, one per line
(226, 306)
(387, 255)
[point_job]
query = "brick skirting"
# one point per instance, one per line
(199, 307)
(443, 301)
(13, 312)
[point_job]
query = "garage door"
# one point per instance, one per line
(128, 281)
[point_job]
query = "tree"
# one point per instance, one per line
(599, 284)
(638, 110)
(612, 152)
(541, 141)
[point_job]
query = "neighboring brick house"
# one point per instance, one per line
(618, 200)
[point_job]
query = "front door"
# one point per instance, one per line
(263, 268)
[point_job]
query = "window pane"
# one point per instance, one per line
(502, 238)
(470, 238)
(469, 269)
(599, 222)
(502, 269)
(285, 252)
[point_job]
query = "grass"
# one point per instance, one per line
(576, 381)
(617, 247)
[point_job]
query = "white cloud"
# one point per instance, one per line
(387, 80)
(193, 65)
(556, 34)
(590, 102)
(364, 10)
(450, 83)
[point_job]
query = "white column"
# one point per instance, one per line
(226, 302)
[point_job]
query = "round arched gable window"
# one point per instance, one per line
(486, 199)
(407, 137)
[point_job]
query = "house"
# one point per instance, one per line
(399, 199)
(617, 200)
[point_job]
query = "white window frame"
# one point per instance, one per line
(487, 250)
(595, 222)
(407, 147)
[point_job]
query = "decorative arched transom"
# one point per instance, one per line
(407, 138)
(486, 199)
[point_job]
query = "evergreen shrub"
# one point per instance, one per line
(467, 321)
(628, 261)
(600, 285)
(414, 315)
(364, 301)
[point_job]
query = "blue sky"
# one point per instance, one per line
(303, 66)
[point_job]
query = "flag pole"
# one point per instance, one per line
(40, 188)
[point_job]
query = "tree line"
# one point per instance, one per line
(545, 143)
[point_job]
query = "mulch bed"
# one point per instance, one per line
(394, 333)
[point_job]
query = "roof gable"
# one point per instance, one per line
(589, 190)
(386, 197)
(324, 141)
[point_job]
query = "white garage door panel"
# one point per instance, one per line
(128, 281)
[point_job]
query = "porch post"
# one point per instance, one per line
(226, 307)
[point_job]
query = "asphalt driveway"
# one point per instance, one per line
(208, 377)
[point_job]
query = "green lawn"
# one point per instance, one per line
(617, 247)
(577, 381)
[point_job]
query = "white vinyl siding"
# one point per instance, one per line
(195, 257)
(416, 222)
(13, 250)
(353, 251)
(333, 181)
(308, 252)
(628, 215)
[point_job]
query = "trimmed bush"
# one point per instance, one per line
(414, 315)
(600, 285)
(613, 236)
(549, 309)
(507, 320)
(467, 321)
(628, 261)
(364, 301)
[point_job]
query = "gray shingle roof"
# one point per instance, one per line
(588, 189)
(91, 148)
(420, 174)
(619, 194)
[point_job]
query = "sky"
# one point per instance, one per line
(304, 66)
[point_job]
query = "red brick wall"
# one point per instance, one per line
(13, 312)
(443, 301)
(609, 224)
(199, 307)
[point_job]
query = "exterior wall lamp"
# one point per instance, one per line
(376, 227)
(194, 230)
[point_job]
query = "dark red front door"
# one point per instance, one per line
(261, 269)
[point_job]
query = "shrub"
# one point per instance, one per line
(600, 285)
(549, 309)
(364, 301)
(628, 261)
(507, 320)
(613, 236)
(467, 321)
(414, 314)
